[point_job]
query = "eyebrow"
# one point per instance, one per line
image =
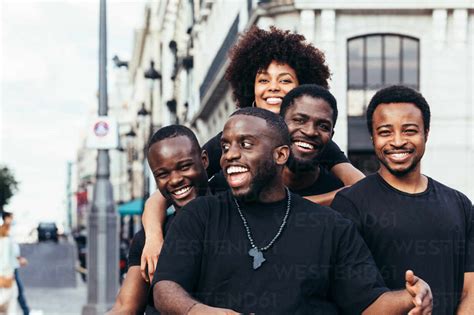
(308, 117)
(264, 72)
(242, 136)
(411, 125)
(383, 126)
(404, 125)
(182, 161)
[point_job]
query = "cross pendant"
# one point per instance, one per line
(258, 258)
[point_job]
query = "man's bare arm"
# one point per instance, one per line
(347, 173)
(153, 218)
(467, 300)
(416, 299)
(132, 295)
(170, 298)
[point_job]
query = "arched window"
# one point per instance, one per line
(378, 60)
(375, 61)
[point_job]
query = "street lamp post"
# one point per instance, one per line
(103, 250)
(151, 74)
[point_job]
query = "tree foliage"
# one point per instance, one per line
(8, 185)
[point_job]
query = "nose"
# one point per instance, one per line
(233, 153)
(398, 140)
(274, 86)
(310, 130)
(175, 178)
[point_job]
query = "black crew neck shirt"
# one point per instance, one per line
(430, 233)
(318, 265)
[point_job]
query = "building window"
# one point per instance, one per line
(375, 61)
(378, 60)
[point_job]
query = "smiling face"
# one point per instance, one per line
(310, 122)
(179, 169)
(272, 84)
(250, 158)
(399, 138)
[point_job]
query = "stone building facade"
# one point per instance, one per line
(368, 45)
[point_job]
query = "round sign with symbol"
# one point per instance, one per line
(101, 129)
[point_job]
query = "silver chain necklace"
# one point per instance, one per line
(255, 252)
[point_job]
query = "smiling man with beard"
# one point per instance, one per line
(407, 218)
(258, 248)
(310, 111)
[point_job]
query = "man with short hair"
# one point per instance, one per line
(407, 218)
(260, 249)
(310, 111)
(179, 167)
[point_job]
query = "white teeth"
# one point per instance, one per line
(304, 145)
(236, 169)
(273, 100)
(182, 190)
(399, 155)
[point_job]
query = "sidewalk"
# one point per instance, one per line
(61, 301)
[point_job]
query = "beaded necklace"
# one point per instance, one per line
(255, 252)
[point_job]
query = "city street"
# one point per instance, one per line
(57, 301)
(52, 286)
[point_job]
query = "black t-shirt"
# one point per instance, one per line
(138, 242)
(430, 233)
(326, 182)
(331, 155)
(318, 265)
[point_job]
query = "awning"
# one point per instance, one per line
(131, 208)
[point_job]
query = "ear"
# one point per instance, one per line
(205, 159)
(427, 132)
(281, 154)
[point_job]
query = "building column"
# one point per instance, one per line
(307, 24)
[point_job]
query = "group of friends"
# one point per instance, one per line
(251, 230)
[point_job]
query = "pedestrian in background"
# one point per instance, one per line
(21, 262)
(8, 262)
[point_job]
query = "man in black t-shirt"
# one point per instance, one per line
(310, 111)
(179, 167)
(407, 219)
(260, 249)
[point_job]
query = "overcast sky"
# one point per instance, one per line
(48, 74)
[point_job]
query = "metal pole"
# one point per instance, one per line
(103, 249)
(69, 195)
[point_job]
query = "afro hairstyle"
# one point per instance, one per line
(255, 51)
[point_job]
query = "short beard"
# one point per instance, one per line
(266, 173)
(299, 166)
(401, 173)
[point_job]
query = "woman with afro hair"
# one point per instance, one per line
(261, 61)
